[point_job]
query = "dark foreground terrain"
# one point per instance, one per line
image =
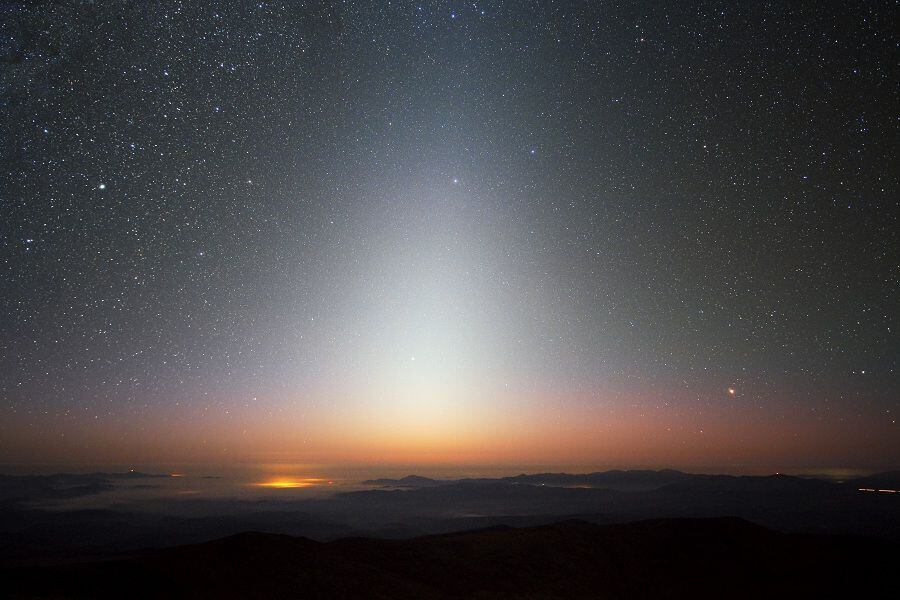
(37, 526)
(667, 558)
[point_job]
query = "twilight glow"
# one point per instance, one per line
(446, 233)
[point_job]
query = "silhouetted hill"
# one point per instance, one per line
(408, 481)
(615, 480)
(17, 488)
(676, 558)
(618, 480)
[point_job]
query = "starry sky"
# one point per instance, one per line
(599, 233)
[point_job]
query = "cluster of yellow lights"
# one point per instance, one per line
(290, 483)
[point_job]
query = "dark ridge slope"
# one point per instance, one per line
(674, 558)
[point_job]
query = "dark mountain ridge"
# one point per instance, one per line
(675, 558)
(30, 534)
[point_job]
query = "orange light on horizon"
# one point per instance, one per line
(281, 483)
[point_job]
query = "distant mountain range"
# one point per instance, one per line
(18, 488)
(619, 480)
(677, 558)
(415, 506)
(635, 480)
(411, 481)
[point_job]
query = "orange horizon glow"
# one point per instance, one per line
(293, 483)
(617, 426)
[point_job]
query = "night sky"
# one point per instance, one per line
(599, 233)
